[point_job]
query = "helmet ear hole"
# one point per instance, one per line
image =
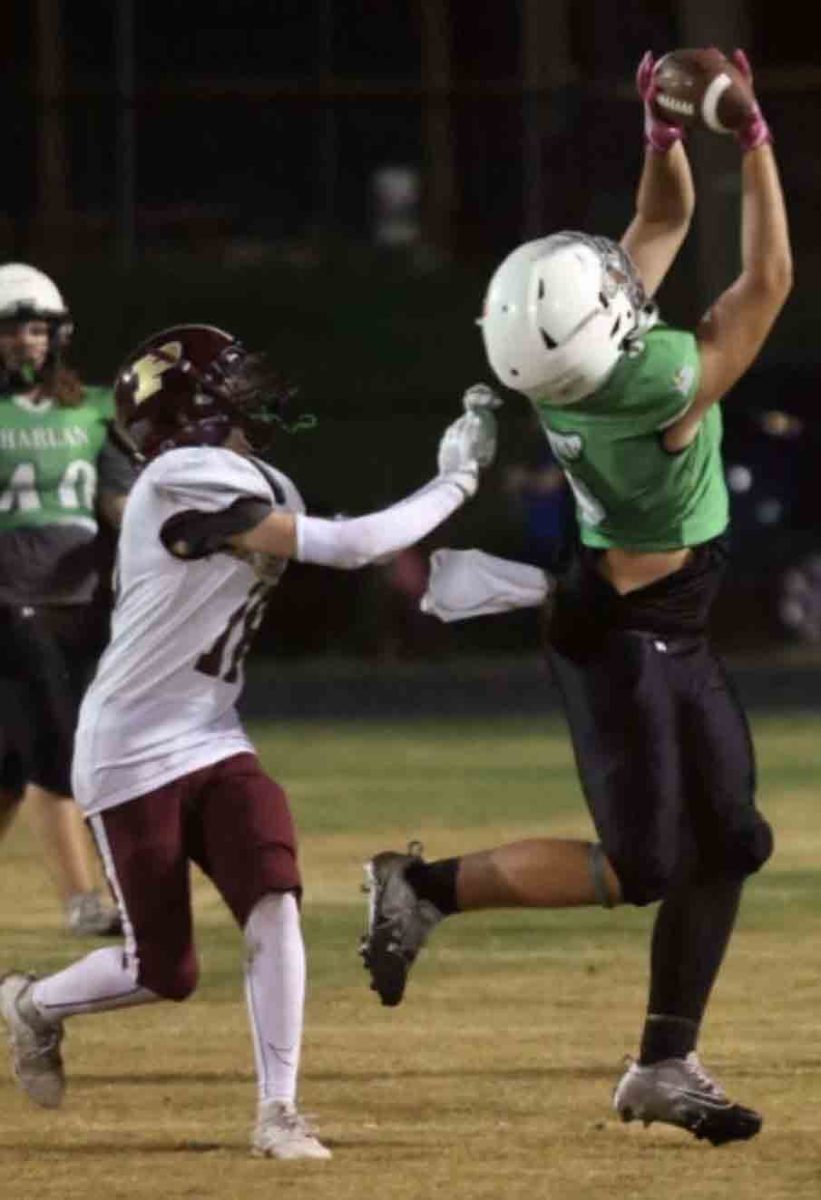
(548, 340)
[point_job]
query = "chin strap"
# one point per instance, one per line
(124, 443)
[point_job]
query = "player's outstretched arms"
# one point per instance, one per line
(466, 446)
(666, 198)
(733, 331)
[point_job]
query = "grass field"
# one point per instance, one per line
(493, 1079)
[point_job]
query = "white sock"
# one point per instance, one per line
(103, 979)
(275, 993)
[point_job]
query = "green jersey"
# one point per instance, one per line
(53, 459)
(629, 490)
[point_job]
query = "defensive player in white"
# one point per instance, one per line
(163, 767)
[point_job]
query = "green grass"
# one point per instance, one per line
(493, 1078)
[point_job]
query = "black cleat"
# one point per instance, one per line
(399, 922)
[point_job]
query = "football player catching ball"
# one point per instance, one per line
(631, 409)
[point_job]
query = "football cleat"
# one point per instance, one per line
(35, 1043)
(281, 1132)
(399, 922)
(678, 1091)
(88, 916)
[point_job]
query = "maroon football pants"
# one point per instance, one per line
(230, 819)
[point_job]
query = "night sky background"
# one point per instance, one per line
(218, 160)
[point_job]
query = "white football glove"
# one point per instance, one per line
(469, 443)
(479, 398)
(466, 445)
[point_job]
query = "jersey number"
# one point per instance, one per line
(218, 661)
(568, 448)
(75, 489)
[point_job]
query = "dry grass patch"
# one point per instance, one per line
(493, 1079)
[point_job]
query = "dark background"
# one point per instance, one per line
(220, 160)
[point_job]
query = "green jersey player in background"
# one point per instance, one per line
(630, 408)
(59, 473)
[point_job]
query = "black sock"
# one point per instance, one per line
(667, 1037)
(436, 882)
(692, 928)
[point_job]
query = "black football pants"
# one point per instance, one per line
(666, 762)
(665, 759)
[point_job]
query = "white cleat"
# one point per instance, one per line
(678, 1091)
(281, 1132)
(35, 1043)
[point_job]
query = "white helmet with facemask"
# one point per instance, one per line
(27, 294)
(559, 314)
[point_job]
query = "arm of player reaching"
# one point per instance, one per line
(466, 446)
(731, 334)
(665, 197)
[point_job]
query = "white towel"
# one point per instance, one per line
(470, 583)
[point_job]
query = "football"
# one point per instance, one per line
(702, 89)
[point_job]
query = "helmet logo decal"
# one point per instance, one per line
(150, 369)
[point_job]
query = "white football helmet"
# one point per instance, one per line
(26, 294)
(559, 314)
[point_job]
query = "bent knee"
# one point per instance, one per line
(644, 880)
(171, 980)
(747, 848)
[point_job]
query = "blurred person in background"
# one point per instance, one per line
(163, 767)
(631, 410)
(544, 504)
(59, 475)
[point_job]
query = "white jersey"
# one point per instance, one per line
(162, 702)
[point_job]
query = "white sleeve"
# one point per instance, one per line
(470, 583)
(358, 541)
(207, 478)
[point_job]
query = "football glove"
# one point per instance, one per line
(479, 401)
(756, 131)
(659, 135)
(480, 398)
(466, 446)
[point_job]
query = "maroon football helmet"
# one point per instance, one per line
(188, 386)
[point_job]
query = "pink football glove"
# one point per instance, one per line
(659, 135)
(756, 131)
